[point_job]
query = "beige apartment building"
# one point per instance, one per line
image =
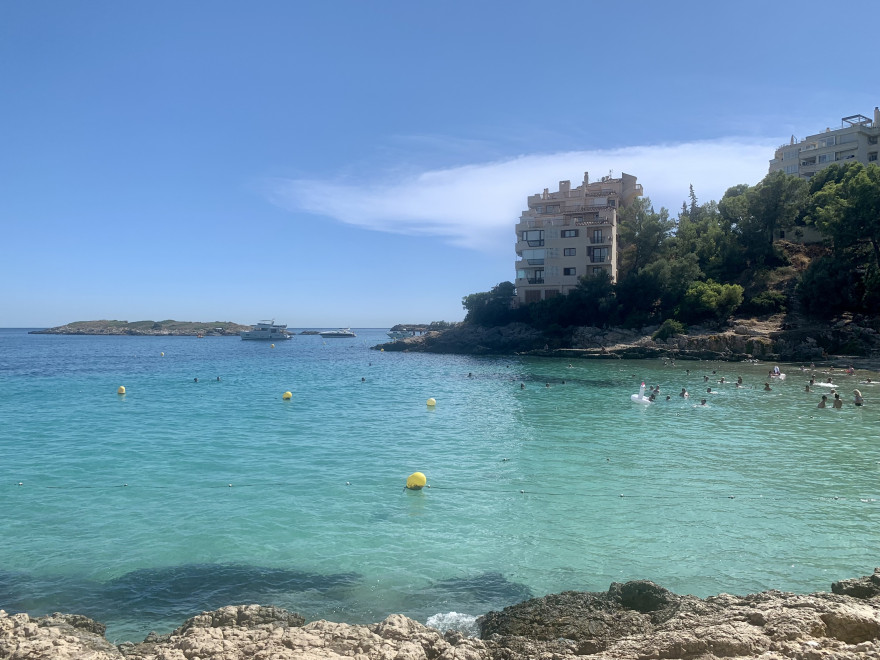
(569, 233)
(855, 140)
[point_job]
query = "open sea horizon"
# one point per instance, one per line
(183, 495)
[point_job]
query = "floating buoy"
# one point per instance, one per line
(287, 396)
(431, 402)
(163, 353)
(273, 346)
(416, 481)
(121, 389)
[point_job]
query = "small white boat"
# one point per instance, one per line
(342, 333)
(400, 334)
(266, 330)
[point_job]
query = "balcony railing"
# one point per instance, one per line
(598, 260)
(535, 280)
(599, 240)
(535, 262)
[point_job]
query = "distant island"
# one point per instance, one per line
(167, 328)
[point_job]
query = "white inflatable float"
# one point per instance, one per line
(640, 397)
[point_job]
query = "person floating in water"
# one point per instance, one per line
(837, 402)
(702, 402)
(684, 393)
(739, 381)
(857, 398)
(767, 387)
(822, 402)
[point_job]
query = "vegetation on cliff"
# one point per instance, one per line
(722, 258)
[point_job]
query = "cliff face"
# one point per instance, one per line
(636, 620)
(147, 328)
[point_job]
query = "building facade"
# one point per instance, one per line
(855, 140)
(569, 233)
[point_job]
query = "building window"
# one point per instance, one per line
(872, 156)
(569, 272)
(788, 155)
(533, 295)
(872, 139)
(791, 169)
(534, 237)
(597, 270)
(569, 252)
(826, 158)
(539, 209)
(569, 233)
(550, 293)
(599, 255)
(553, 208)
(826, 142)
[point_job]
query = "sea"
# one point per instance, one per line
(201, 486)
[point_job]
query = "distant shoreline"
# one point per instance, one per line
(168, 328)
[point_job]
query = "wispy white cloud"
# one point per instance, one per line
(476, 206)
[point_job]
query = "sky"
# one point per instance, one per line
(362, 164)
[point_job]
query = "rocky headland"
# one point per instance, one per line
(636, 620)
(742, 339)
(168, 328)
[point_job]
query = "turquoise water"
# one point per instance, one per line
(141, 510)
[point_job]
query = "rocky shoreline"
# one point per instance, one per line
(636, 620)
(744, 339)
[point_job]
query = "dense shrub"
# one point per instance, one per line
(669, 328)
(766, 302)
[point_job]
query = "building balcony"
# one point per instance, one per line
(600, 260)
(601, 240)
(535, 280)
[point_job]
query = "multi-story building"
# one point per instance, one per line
(569, 233)
(856, 139)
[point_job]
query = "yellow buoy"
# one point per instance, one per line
(431, 402)
(287, 396)
(163, 353)
(416, 481)
(273, 346)
(121, 389)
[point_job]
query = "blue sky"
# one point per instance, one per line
(364, 163)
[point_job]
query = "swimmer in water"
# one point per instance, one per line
(708, 390)
(702, 402)
(857, 398)
(684, 393)
(822, 402)
(739, 381)
(705, 379)
(722, 380)
(837, 402)
(767, 387)
(522, 386)
(807, 388)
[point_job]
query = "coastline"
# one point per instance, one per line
(847, 339)
(631, 621)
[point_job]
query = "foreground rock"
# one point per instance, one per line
(637, 620)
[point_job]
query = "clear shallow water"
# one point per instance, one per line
(126, 513)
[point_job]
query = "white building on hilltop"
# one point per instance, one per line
(855, 140)
(569, 233)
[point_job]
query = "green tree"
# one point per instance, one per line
(757, 212)
(847, 208)
(710, 300)
(643, 233)
(491, 308)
